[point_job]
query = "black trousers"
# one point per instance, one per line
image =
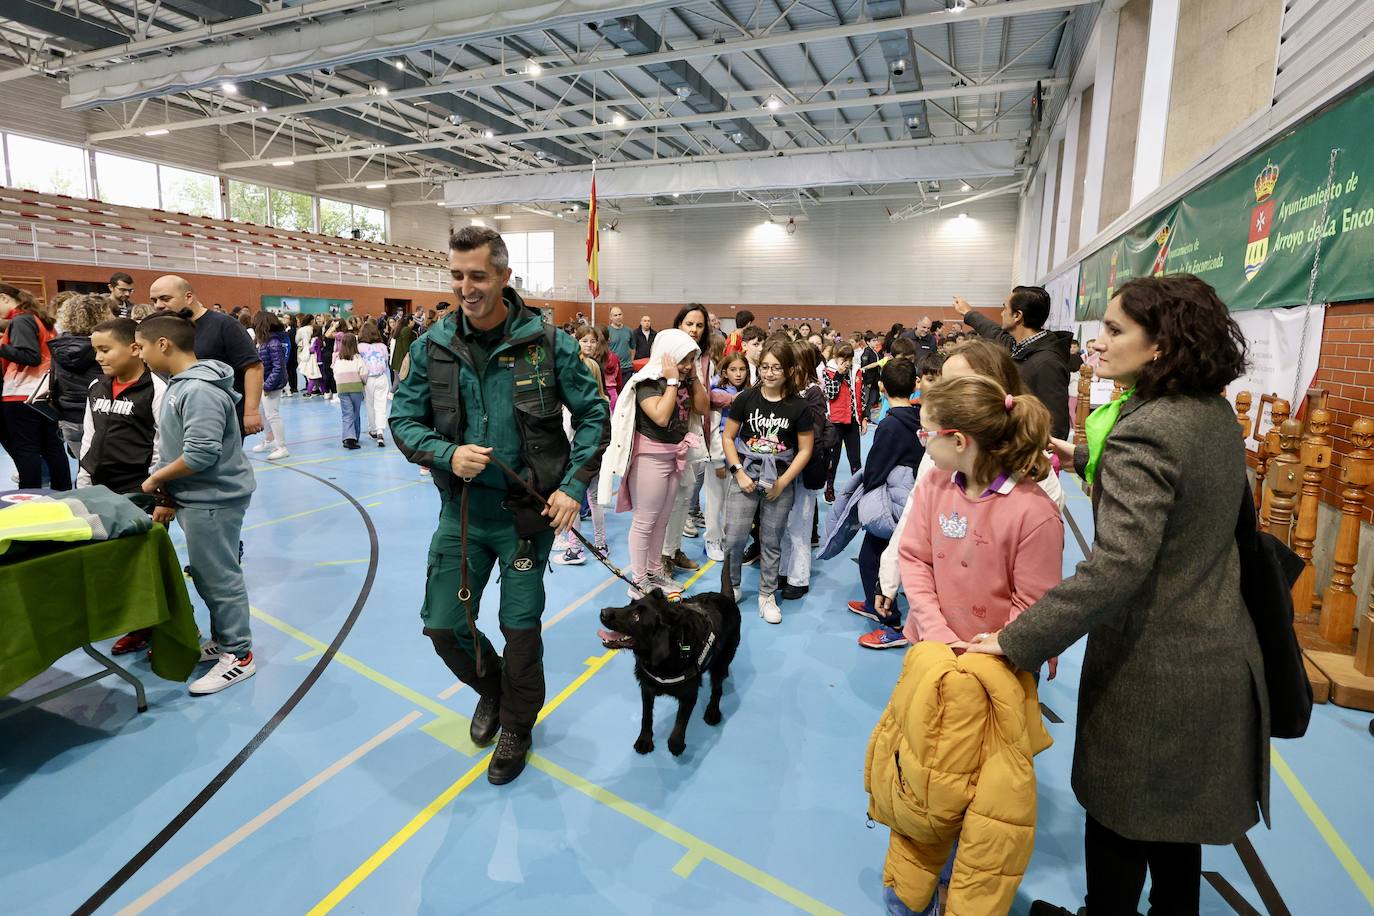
(292, 365)
(32, 441)
(517, 677)
(1116, 874)
(847, 438)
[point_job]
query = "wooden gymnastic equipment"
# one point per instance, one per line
(1243, 401)
(1085, 405)
(1268, 449)
(1338, 602)
(1315, 454)
(1285, 480)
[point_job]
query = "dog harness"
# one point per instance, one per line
(703, 662)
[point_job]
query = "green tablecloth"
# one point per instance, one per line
(58, 601)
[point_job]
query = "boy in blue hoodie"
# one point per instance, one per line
(895, 443)
(204, 471)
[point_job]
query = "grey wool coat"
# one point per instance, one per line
(1173, 719)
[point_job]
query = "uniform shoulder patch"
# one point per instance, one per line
(523, 564)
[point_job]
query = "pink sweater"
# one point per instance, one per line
(969, 565)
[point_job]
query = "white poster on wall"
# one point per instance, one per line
(1285, 345)
(1063, 291)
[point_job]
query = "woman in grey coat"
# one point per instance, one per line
(1172, 748)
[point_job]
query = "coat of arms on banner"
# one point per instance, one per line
(1261, 220)
(1162, 240)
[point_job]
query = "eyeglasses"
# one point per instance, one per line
(925, 435)
(769, 369)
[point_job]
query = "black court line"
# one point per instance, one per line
(1078, 535)
(193, 807)
(1230, 894)
(1269, 894)
(1051, 715)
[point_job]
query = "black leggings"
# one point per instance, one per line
(33, 440)
(1116, 874)
(847, 438)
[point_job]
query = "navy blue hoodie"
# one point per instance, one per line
(894, 444)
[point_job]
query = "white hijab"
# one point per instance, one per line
(678, 346)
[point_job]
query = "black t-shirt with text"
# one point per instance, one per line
(769, 427)
(676, 430)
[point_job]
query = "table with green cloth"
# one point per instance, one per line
(67, 597)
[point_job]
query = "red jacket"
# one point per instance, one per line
(839, 392)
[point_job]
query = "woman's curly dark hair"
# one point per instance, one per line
(1201, 348)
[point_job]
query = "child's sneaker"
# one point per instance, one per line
(601, 547)
(663, 581)
(278, 454)
(262, 446)
(132, 642)
(689, 528)
(572, 556)
(883, 638)
(715, 550)
(228, 670)
(858, 607)
(768, 608)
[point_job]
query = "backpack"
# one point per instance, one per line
(813, 476)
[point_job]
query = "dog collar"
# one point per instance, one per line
(703, 660)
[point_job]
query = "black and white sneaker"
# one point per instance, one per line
(228, 670)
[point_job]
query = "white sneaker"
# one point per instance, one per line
(278, 453)
(663, 581)
(690, 529)
(262, 447)
(572, 556)
(715, 550)
(768, 608)
(228, 670)
(209, 652)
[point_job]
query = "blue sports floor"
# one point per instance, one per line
(367, 797)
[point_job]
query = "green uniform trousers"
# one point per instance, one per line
(518, 678)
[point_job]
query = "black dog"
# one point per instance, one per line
(674, 644)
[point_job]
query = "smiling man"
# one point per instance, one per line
(485, 384)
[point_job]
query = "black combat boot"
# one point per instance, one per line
(509, 760)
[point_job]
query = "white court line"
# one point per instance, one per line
(196, 865)
(181, 875)
(450, 691)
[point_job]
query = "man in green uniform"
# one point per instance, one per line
(490, 383)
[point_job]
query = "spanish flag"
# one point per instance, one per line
(593, 244)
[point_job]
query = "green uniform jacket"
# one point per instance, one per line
(489, 400)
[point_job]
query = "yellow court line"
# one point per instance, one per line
(327, 506)
(1324, 827)
(697, 848)
(443, 800)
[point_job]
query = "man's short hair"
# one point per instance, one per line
(744, 318)
(120, 276)
(1033, 302)
(180, 331)
(899, 377)
(470, 238)
(753, 332)
(121, 329)
(442, 305)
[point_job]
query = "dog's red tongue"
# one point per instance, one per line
(613, 640)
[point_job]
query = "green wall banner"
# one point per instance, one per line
(1253, 231)
(307, 305)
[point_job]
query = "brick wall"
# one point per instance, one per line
(1346, 372)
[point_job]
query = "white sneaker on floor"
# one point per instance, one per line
(228, 670)
(262, 446)
(690, 529)
(739, 595)
(278, 453)
(663, 581)
(715, 550)
(572, 556)
(768, 608)
(209, 652)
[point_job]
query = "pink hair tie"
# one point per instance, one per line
(1009, 403)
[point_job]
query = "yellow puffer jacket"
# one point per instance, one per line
(951, 759)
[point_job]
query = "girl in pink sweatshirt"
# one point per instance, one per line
(984, 541)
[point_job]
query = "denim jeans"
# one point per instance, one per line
(351, 404)
(895, 907)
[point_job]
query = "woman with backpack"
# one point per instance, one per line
(30, 434)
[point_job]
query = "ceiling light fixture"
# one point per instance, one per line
(262, 108)
(618, 119)
(773, 103)
(228, 88)
(502, 216)
(400, 65)
(489, 134)
(684, 92)
(965, 186)
(282, 163)
(534, 69)
(376, 185)
(963, 216)
(958, 6)
(676, 194)
(156, 133)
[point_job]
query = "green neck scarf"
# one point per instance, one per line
(1098, 427)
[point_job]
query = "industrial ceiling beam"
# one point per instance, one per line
(651, 123)
(82, 34)
(291, 52)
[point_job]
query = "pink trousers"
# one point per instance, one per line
(653, 487)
